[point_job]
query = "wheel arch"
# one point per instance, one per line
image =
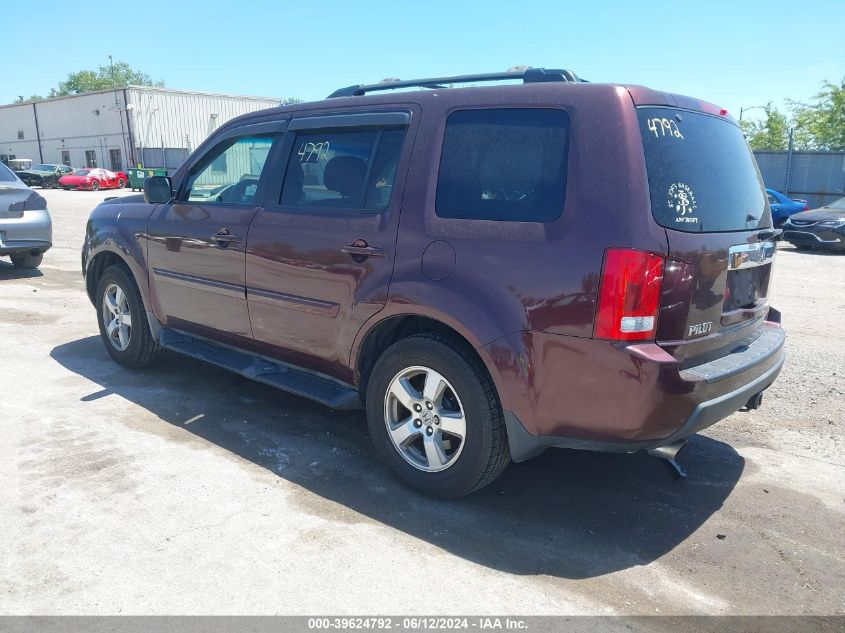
(372, 341)
(110, 256)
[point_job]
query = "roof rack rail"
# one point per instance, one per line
(528, 75)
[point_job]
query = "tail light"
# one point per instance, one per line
(629, 295)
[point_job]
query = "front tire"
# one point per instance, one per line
(123, 321)
(435, 417)
(27, 260)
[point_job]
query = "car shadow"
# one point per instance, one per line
(8, 271)
(566, 513)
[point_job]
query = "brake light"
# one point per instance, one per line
(629, 295)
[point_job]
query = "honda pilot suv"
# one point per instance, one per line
(488, 270)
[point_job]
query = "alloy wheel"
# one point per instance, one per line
(425, 419)
(117, 318)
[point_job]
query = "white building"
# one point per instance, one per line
(117, 129)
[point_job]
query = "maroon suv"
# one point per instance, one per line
(489, 271)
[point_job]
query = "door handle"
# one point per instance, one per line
(360, 250)
(223, 238)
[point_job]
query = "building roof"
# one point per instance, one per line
(145, 89)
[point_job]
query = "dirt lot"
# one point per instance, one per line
(187, 489)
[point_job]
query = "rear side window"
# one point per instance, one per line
(504, 164)
(352, 169)
(701, 174)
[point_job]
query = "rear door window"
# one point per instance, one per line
(702, 176)
(505, 164)
(347, 168)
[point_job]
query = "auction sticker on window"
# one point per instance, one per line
(682, 199)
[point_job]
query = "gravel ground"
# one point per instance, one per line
(187, 489)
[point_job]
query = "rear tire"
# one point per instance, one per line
(433, 369)
(95, 186)
(128, 341)
(121, 183)
(27, 260)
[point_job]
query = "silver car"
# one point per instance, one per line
(26, 230)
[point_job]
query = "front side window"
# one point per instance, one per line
(343, 169)
(229, 173)
(504, 164)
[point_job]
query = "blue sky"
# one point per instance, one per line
(736, 54)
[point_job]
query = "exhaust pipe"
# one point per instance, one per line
(669, 453)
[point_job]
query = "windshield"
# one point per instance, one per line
(702, 176)
(839, 205)
(82, 172)
(44, 168)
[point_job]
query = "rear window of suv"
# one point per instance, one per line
(506, 164)
(702, 176)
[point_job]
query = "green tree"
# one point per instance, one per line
(291, 100)
(820, 125)
(104, 77)
(770, 132)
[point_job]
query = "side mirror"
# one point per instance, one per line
(158, 190)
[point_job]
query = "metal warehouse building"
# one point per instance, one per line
(118, 128)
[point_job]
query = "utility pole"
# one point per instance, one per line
(741, 110)
(119, 116)
(788, 163)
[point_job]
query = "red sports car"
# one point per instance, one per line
(94, 179)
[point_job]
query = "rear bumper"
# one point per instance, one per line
(32, 231)
(588, 394)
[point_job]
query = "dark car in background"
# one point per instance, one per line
(822, 228)
(46, 175)
(783, 206)
(489, 271)
(26, 230)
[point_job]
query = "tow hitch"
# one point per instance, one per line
(669, 454)
(754, 402)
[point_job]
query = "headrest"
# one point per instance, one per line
(345, 174)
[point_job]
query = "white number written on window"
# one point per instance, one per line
(311, 152)
(664, 127)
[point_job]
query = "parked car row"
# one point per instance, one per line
(49, 176)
